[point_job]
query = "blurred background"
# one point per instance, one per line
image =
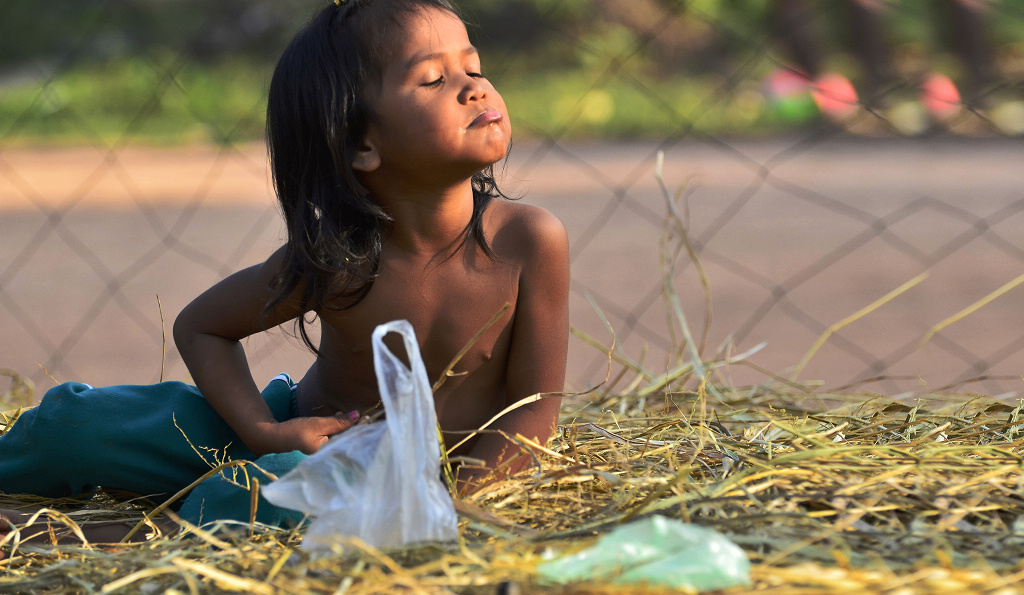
(847, 176)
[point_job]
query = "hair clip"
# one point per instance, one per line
(339, 2)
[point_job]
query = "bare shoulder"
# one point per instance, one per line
(521, 231)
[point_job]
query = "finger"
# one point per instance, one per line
(342, 422)
(318, 443)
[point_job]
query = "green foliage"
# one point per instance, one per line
(559, 104)
(224, 102)
(147, 97)
(182, 70)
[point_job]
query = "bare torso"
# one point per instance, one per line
(447, 302)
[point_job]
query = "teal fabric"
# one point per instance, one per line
(222, 498)
(152, 440)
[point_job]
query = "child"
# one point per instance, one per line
(382, 134)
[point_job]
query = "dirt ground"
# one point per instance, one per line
(795, 236)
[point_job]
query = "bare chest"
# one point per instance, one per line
(448, 305)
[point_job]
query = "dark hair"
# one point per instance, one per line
(316, 120)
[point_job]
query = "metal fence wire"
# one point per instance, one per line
(884, 231)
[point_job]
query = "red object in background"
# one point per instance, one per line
(789, 96)
(783, 83)
(835, 95)
(940, 96)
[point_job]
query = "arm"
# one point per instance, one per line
(208, 335)
(537, 356)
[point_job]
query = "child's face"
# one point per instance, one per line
(435, 116)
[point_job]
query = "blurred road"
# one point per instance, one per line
(795, 236)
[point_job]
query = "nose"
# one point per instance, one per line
(472, 90)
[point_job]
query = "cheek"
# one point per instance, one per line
(498, 102)
(409, 124)
(506, 124)
(425, 121)
(497, 99)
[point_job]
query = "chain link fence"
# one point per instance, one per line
(884, 232)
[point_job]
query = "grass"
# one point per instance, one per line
(149, 98)
(154, 99)
(564, 104)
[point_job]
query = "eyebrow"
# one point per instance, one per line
(436, 55)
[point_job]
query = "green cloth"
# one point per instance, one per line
(134, 438)
(219, 498)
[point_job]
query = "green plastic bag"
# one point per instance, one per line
(657, 551)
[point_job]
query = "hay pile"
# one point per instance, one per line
(845, 491)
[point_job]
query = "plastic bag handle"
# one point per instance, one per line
(406, 420)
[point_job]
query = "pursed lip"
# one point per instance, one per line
(488, 117)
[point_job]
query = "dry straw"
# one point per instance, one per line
(870, 494)
(824, 491)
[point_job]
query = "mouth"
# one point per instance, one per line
(489, 117)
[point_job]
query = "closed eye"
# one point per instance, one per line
(436, 83)
(476, 75)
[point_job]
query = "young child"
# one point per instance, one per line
(382, 134)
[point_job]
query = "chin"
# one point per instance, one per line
(486, 160)
(501, 150)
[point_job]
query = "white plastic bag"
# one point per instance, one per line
(380, 482)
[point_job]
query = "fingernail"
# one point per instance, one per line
(353, 415)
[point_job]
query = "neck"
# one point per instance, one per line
(426, 220)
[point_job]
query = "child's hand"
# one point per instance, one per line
(308, 434)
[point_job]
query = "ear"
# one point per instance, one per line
(367, 158)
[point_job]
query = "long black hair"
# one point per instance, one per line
(316, 120)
